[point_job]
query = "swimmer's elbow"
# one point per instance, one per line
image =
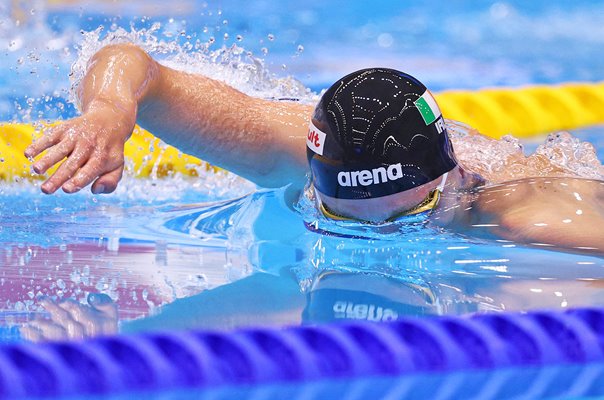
(128, 58)
(128, 49)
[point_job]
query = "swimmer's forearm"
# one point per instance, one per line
(261, 140)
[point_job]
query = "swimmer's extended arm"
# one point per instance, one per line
(260, 140)
(565, 213)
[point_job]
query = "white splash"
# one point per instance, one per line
(560, 155)
(232, 65)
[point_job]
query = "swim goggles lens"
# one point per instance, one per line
(428, 204)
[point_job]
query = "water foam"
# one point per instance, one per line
(561, 155)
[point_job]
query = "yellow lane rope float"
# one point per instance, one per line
(528, 111)
(522, 112)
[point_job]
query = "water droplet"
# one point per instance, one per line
(300, 48)
(264, 50)
(271, 37)
(225, 22)
(226, 36)
(239, 38)
(75, 276)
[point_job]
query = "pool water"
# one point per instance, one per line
(145, 252)
(214, 251)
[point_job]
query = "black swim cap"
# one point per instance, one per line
(374, 133)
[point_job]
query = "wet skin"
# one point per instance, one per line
(545, 212)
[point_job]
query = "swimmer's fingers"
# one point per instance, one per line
(55, 154)
(74, 161)
(50, 138)
(72, 308)
(108, 182)
(84, 318)
(63, 315)
(43, 329)
(31, 333)
(97, 167)
(57, 314)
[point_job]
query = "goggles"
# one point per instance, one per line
(425, 207)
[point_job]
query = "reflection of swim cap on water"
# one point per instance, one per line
(370, 297)
(374, 133)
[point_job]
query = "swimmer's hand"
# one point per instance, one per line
(92, 146)
(72, 320)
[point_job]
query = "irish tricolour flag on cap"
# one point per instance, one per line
(428, 108)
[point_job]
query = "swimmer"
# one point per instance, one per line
(377, 147)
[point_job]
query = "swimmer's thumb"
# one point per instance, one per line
(102, 303)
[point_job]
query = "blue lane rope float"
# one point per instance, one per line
(205, 359)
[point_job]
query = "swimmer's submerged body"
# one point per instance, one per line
(265, 142)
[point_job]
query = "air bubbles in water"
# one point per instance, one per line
(270, 37)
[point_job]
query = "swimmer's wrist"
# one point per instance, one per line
(121, 107)
(116, 113)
